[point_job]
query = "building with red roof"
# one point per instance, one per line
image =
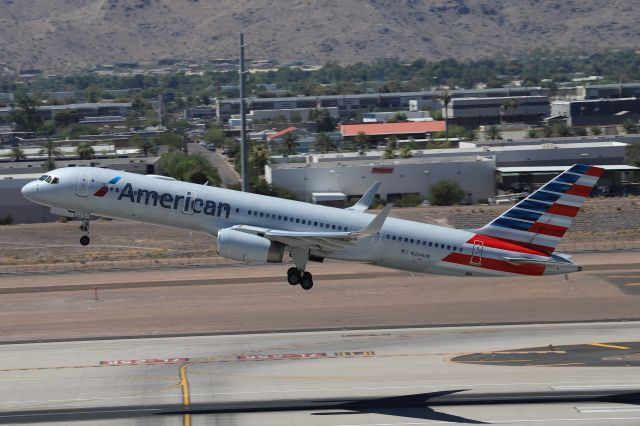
(403, 130)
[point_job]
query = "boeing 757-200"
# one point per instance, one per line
(257, 228)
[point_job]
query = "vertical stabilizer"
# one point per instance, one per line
(540, 221)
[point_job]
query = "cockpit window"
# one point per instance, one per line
(43, 177)
(55, 180)
(48, 179)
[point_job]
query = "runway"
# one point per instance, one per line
(373, 377)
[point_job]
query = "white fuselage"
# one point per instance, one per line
(401, 244)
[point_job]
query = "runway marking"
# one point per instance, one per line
(633, 385)
(607, 409)
(186, 398)
(87, 412)
(595, 419)
(632, 285)
(606, 345)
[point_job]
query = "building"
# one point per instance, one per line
(598, 112)
(383, 117)
(96, 109)
(473, 112)
(349, 105)
(347, 181)
(608, 91)
(379, 132)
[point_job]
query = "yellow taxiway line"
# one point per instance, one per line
(186, 399)
(604, 345)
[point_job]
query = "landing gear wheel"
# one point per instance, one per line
(85, 240)
(293, 276)
(307, 281)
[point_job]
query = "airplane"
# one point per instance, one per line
(257, 228)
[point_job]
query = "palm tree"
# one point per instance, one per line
(51, 149)
(289, 144)
(145, 144)
(17, 153)
(630, 126)
(445, 97)
(85, 151)
(258, 157)
(510, 103)
(361, 140)
(324, 143)
(405, 151)
(493, 133)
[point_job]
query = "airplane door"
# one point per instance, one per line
(189, 201)
(83, 185)
(476, 255)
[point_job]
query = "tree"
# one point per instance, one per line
(146, 145)
(579, 131)
(532, 134)
(17, 153)
(595, 130)
(51, 149)
(493, 133)
(445, 193)
(361, 140)
(323, 120)
(25, 115)
(133, 120)
(405, 151)
(510, 103)
(398, 116)
(85, 151)
(630, 126)
(547, 132)
(66, 117)
(324, 143)
(194, 168)
(562, 130)
(445, 97)
(258, 157)
(289, 144)
(214, 135)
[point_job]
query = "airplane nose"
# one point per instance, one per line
(29, 190)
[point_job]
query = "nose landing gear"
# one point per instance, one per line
(84, 227)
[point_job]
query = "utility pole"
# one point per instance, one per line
(244, 155)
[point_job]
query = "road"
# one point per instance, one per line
(374, 377)
(227, 173)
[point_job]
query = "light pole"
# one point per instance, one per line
(244, 157)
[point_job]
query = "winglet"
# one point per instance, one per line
(376, 224)
(365, 201)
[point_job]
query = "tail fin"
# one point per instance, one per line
(539, 221)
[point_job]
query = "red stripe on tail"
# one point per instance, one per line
(564, 210)
(580, 190)
(548, 229)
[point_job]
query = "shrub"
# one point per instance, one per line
(445, 193)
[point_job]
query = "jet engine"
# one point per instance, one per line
(245, 247)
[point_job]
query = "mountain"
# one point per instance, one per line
(68, 34)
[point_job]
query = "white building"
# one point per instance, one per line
(399, 177)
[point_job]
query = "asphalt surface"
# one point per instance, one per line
(227, 173)
(378, 377)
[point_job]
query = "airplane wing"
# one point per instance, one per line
(325, 241)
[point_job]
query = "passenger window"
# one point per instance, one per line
(393, 238)
(388, 236)
(255, 213)
(455, 248)
(321, 225)
(436, 245)
(424, 243)
(430, 244)
(279, 217)
(261, 214)
(315, 223)
(340, 228)
(291, 219)
(406, 240)
(411, 241)
(333, 227)
(237, 210)
(297, 220)
(249, 212)
(303, 221)
(418, 242)
(448, 247)
(286, 218)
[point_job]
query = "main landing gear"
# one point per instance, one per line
(84, 227)
(297, 275)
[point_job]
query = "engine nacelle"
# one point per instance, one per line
(245, 247)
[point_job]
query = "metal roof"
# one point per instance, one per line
(556, 169)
